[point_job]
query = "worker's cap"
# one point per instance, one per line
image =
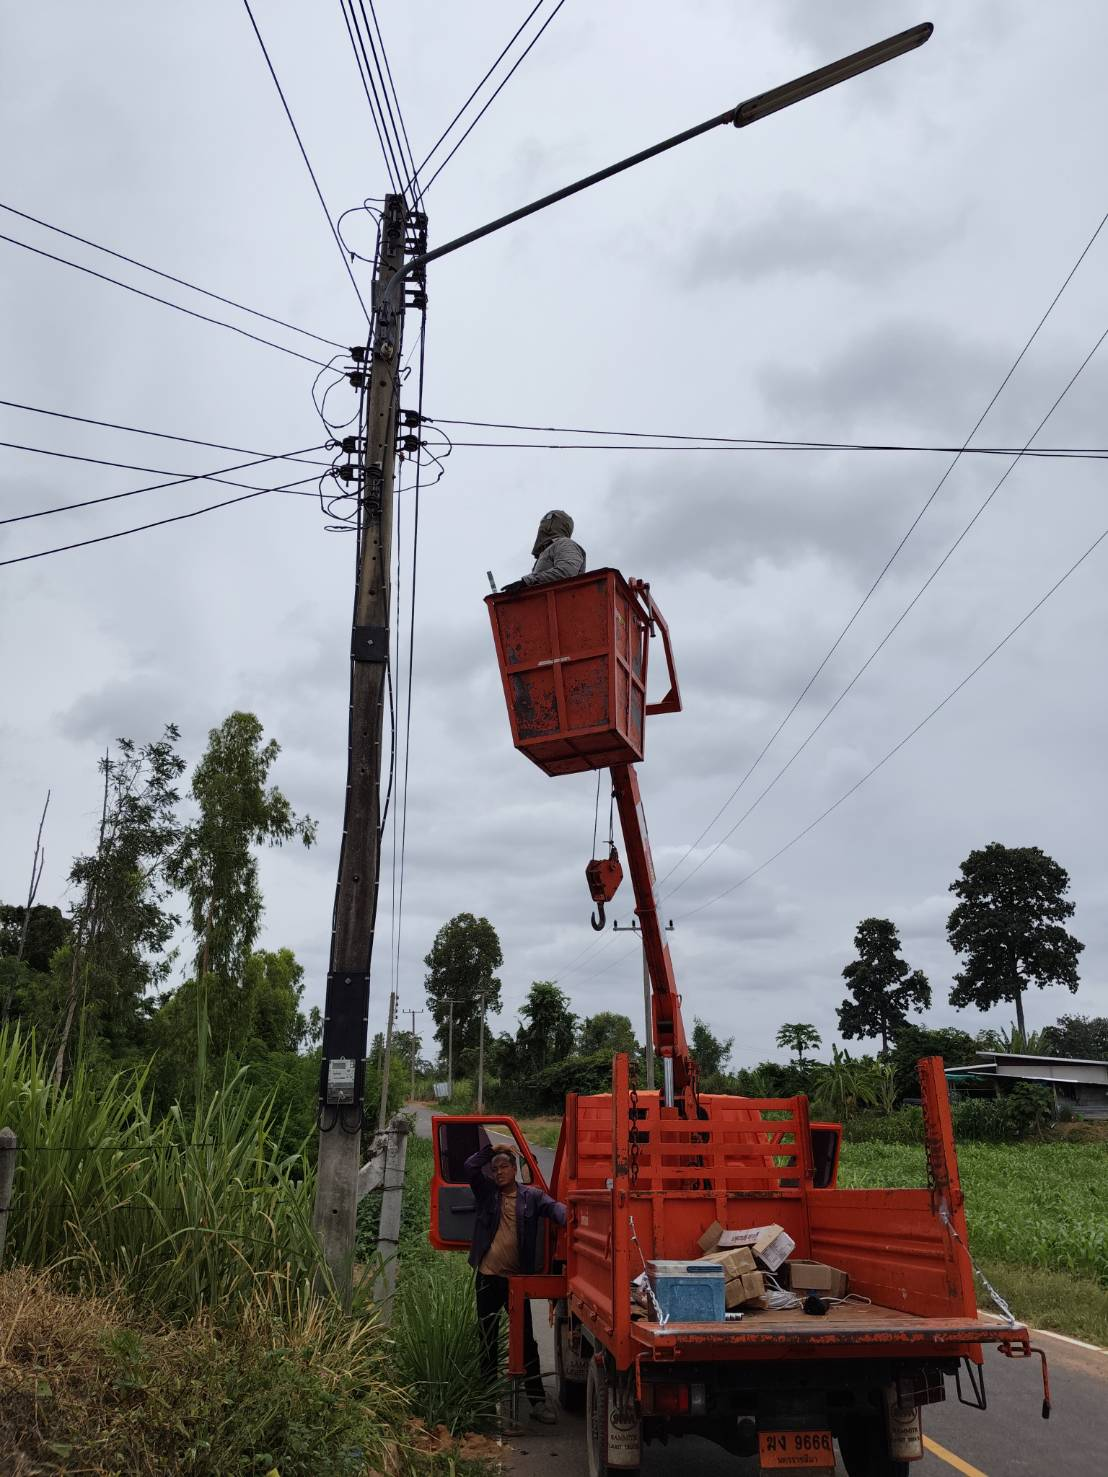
(556, 522)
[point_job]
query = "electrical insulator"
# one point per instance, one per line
(357, 379)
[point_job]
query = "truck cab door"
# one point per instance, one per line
(453, 1205)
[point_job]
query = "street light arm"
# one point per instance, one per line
(741, 116)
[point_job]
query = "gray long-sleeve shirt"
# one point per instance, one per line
(560, 560)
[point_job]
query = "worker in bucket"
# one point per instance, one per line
(505, 1243)
(555, 554)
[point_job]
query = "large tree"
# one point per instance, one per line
(609, 1032)
(882, 987)
(1008, 927)
(215, 863)
(710, 1052)
(1079, 1036)
(461, 968)
(121, 925)
(547, 1028)
(798, 1037)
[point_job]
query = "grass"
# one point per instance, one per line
(1036, 1216)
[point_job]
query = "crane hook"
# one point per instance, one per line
(597, 919)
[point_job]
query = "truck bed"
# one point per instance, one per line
(848, 1328)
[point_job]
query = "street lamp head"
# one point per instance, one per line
(830, 76)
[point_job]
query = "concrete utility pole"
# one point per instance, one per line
(648, 1012)
(481, 1062)
(413, 1014)
(450, 1055)
(342, 1075)
(386, 1065)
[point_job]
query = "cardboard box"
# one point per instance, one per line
(735, 1262)
(805, 1276)
(771, 1245)
(710, 1240)
(745, 1289)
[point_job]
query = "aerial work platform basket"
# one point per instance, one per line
(573, 659)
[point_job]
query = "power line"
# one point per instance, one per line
(154, 298)
(178, 479)
(158, 523)
(87, 420)
(383, 95)
(908, 736)
(892, 629)
(511, 73)
(169, 277)
(1063, 453)
(414, 178)
(900, 545)
(307, 161)
(365, 77)
(434, 147)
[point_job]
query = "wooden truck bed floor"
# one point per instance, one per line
(864, 1328)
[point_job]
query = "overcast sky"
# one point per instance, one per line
(865, 266)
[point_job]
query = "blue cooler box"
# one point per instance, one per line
(688, 1292)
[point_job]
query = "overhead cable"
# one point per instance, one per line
(435, 146)
(939, 706)
(154, 298)
(105, 538)
(892, 629)
(925, 505)
(511, 73)
(414, 177)
(178, 479)
(365, 76)
(168, 276)
(1063, 453)
(88, 420)
(307, 161)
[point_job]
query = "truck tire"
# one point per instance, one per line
(571, 1392)
(864, 1449)
(596, 1423)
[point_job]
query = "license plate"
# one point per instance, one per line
(796, 1451)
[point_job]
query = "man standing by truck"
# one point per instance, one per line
(505, 1243)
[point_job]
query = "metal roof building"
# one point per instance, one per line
(1076, 1083)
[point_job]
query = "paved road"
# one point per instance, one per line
(1007, 1440)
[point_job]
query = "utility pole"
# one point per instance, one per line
(345, 1021)
(386, 1065)
(450, 1055)
(413, 1014)
(648, 1011)
(481, 1061)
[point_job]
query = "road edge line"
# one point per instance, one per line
(951, 1458)
(1049, 1333)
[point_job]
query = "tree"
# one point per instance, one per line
(1008, 928)
(607, 1032)
(912, 1043)
(883, 987)
(547, 1028)
(1078, 1036)
(799, 1038)
(710, 1053)
(121, 926)
(215, 863)
(47, 929)
(460, 967)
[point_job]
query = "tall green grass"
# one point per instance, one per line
(185, 1215)
(1034, 1205)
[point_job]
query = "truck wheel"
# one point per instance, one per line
(571, 1392)
(865, 1452)
(596, 1424)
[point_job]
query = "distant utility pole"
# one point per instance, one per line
(450, 1054)
(386, 1065)
(413, 1014)
(481, 1062)
(649, 1012)
(346, 1013)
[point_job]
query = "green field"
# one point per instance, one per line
(1038, 1222)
